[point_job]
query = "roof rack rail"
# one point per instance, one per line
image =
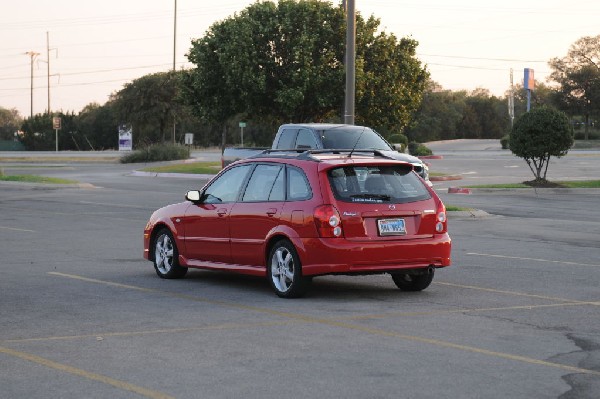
(307, 154)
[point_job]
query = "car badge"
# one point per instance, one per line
(392, 207)
(350, 213)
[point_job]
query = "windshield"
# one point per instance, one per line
(348, 138)
(377, 184)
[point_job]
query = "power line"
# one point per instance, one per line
(481, 58)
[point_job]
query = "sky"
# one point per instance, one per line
(93, 48)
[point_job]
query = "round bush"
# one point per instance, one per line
(418, 150)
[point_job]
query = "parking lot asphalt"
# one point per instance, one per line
(83, 315)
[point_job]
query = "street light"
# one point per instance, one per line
(174, 55)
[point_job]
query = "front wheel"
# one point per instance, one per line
(166, 256)
(413, 282)
(285, 271)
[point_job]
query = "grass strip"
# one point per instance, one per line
(204, 168)
(36, 179)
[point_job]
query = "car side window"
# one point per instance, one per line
(226, 187)
(287, 138)
(262, 185)
(306, 139)
(298, 188)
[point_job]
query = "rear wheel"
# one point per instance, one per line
(413, 282)
(285, 271)
(166, 256)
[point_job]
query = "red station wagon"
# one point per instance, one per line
(291, 216)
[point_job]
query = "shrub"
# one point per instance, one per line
(539, 134)
(398, 139)
(418, 150)
(157, 153)
(504, 141)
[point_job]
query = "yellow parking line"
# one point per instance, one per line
(533, 259)
(472, 310)
(86, 374)
(514, 293)
(100, 335)
(356, 327)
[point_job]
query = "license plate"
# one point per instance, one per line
(388, 227)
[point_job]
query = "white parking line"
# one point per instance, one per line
(16, 229)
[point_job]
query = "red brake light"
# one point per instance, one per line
(328, 221)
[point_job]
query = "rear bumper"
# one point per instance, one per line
(340, 256)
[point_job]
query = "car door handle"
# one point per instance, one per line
(271, 211)
(222, 211)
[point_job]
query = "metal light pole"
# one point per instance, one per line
(174, 56)
(31, 54)
(350, 62)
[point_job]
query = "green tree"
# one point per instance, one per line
(538, 135)
(97, 126)
(578, 75)
(38, 134)
(10, 122)
(284, 61)
(150, 105)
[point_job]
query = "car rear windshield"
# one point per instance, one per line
(377, 184)
(353, 138)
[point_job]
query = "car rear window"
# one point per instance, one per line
(353, 137)
(377, 184)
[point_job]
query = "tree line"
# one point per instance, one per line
(274, 63)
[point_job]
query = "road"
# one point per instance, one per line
(83, 315)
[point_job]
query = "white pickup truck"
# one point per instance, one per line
(326, 136)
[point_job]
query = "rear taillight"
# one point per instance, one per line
(441, 221)
(328, 222)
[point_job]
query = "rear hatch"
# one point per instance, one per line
(382, 202)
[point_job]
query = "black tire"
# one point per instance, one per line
(166, 256)
(284, 271)
(413, 282)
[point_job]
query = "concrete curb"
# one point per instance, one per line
(458, 190)
(445, 178)
(472, 214)
(140, 173)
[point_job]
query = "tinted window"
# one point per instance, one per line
(298, 187)
(262, 185)
(227, 186)
(376, 184)
(353, 137)
(306, 139)
(287, 138)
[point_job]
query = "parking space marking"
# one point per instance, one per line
(101, 335)
(16, 229)
(86, 374)
(515, 293)
(533, 259)
(472, 310)
(356, 327)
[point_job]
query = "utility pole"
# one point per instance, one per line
(174, 57)
(32, 55)
(350, 62)
(511, 100)
(48, 49)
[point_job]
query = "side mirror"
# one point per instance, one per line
(193, 196)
